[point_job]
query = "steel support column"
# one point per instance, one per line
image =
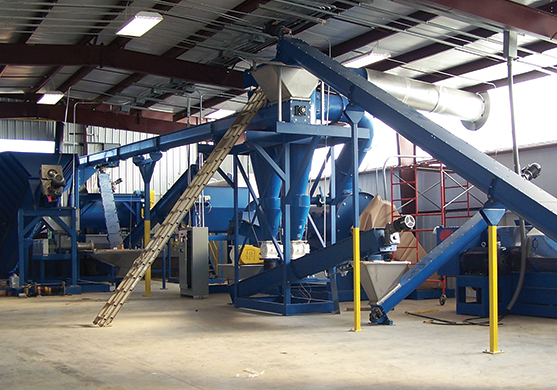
(146, 167)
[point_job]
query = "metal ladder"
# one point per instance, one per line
(110, 212)
(182, 206)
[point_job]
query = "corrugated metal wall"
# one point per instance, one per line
(173, 163)
(25, 129)
(167, 171)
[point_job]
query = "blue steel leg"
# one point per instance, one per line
(418, 274)
(236, 227)
(169, 262)
(20, 247)
(334, 289)
(73, 236)
(286, 287)
(165, 250)
(264, 220)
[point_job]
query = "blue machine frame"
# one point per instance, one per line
(28, 222)
(501, 184)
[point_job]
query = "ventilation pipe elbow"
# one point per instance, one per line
(471, 108)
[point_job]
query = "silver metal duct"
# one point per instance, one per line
(472, 109)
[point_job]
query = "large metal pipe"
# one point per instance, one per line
(269, 185)
(471, 108)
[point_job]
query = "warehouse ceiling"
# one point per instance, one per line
(197, 55)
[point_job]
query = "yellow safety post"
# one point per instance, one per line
(147, 237)
(356, 269)
(493, 299)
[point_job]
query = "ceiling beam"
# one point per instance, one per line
(206, 104)
(90, 35)
(87, 116)
(118, 42)
(431, 49)
(502, 13)
(482, 63)
(518, 78)
(191, 41)
(101, 56)
(30, 29)
(380, 33)
(206, 32)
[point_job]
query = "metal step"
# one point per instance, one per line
(182, 206)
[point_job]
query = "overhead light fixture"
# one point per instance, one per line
(219, 114)
(141, 23)
(50, 98)
(367, 59)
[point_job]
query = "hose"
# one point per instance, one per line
(524, 248)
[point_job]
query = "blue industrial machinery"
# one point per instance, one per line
(501, 184)
(31, 181)
(92, 218)
(537, 294)
(280, 142)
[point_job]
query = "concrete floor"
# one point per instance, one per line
(168, 342)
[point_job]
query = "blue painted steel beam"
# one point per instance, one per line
(160, 210)
(264, 221)
(418, 274)
(264, 120)
(500, 183)
(371, 242)
(320, 130)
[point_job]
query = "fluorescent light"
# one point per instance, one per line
(141, 23)
(50, 98)
(366, 59)
(219, 114)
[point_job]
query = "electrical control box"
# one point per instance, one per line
(194, 263)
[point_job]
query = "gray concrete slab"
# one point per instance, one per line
(169, 342)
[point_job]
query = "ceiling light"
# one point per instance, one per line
(141, 23)
(219, 114)
(366, 59)
(50, 98)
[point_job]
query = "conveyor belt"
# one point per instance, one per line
(186, 201)
(110, 212)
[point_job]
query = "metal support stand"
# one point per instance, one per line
(59, 219)
(285, 302)
(492, 217)
(146, 167)
(355, 114)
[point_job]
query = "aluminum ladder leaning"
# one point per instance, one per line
(182, 206)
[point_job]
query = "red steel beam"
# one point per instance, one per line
(87, 116)
(201, 35)
(119, 42)
(380, 33)
(90, 35)
(504, 13)
(98, 55)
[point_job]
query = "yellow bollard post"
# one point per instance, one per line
(356, 270)
(147, 238)
(493, 298)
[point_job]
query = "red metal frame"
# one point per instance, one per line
(444, 186)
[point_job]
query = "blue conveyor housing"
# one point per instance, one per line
(498, 182)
